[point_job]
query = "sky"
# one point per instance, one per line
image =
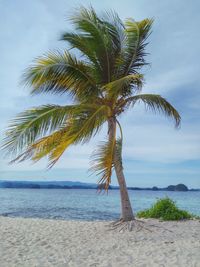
(154, 152)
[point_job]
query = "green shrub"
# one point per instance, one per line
(166, 210)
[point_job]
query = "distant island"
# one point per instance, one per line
(79, 185)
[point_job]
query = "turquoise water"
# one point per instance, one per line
(78, 204)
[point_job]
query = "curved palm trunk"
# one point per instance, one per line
(126, 209)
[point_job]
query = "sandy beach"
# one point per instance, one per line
(36, 242)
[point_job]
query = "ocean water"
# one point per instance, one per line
(77, 204)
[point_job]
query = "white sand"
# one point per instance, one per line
(36, 242)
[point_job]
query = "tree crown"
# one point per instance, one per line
(101, 72)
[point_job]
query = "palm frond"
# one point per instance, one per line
(42, 147)
(103, 37)
(81, 130)
(82, 42)
(124, 86)
(58, 73)
(32, 123)
(87, 21)
(84, 122)
(134, 51)
(156, 103)
(115, 29)
(103, 162)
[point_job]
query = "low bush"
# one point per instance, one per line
(165, 209)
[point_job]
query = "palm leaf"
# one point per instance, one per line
(82, 43)
(60, 73)
(155, 103)
(134, 51)
(42, 147)
(31, 124)
(34, 123)
(124, 86)
(84, 122)
(103, 162)
(102, 36)
(88, 22)
(80, 130)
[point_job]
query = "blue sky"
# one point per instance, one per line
(154, 152)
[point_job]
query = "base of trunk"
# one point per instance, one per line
(127, 218)
(121, 225)
(128, 225)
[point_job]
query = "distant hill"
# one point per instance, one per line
(178, 187)
(79, 185)
(47, 184)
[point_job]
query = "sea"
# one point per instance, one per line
(84, 204)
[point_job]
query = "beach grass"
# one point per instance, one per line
(165, 209)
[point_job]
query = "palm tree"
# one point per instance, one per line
(103, 79)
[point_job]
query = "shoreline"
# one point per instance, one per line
(42, 242)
